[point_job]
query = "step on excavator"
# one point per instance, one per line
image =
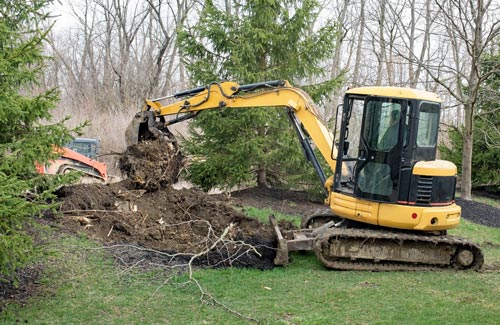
(390, 202)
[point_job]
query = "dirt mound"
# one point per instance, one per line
(171, 225)
(152, 165)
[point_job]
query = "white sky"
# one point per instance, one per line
(62, 15)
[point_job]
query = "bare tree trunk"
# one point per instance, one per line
(227, 4)
(262, 176)
(359, 45)
(475, 50)
(382, 50)
(455, 50)
(413, 24)
(340, 39)
(466, 186)
(425, 44)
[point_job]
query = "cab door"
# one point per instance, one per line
(378, 165)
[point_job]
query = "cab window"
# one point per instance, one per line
(428, 123)
(382, 127)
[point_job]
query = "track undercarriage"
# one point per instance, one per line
(346, 248)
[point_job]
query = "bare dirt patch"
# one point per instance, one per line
(284, 201)
(27, 286)
(480, 213)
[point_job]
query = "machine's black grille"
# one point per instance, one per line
(424, 190)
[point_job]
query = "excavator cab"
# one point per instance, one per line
(389, 130)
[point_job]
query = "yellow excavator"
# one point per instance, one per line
(390, 201)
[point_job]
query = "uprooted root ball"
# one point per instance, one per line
(152, 165)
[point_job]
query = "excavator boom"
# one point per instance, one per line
(227, 95)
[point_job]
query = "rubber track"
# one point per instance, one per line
(405, 239)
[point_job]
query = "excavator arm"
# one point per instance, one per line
(303, 114)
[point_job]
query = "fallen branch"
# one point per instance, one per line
(110, 230)
(205, 294)
(99, 211)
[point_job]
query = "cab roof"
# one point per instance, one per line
(396, 92)
(76, 140)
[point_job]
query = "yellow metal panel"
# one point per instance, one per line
(399, 216)
(435, 168)
(351, 208)
(343, 205)
(367, 211)
(344, 201)
(396, 92)
(440, 218)
(427, 218)
(433, 218)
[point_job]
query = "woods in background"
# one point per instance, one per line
(121, 51)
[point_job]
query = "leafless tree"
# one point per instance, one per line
(343, 29)
(359, 40)
(470, 27)
(116, 54)
(442, 43)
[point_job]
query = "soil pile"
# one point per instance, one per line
(145, 210)
(182, 224)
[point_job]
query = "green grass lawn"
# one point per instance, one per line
(263, 215)
(82, 284)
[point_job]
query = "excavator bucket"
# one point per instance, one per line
(144, 127)
(132, 131)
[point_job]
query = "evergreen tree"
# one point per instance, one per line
(262, 40)
(23, 140)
